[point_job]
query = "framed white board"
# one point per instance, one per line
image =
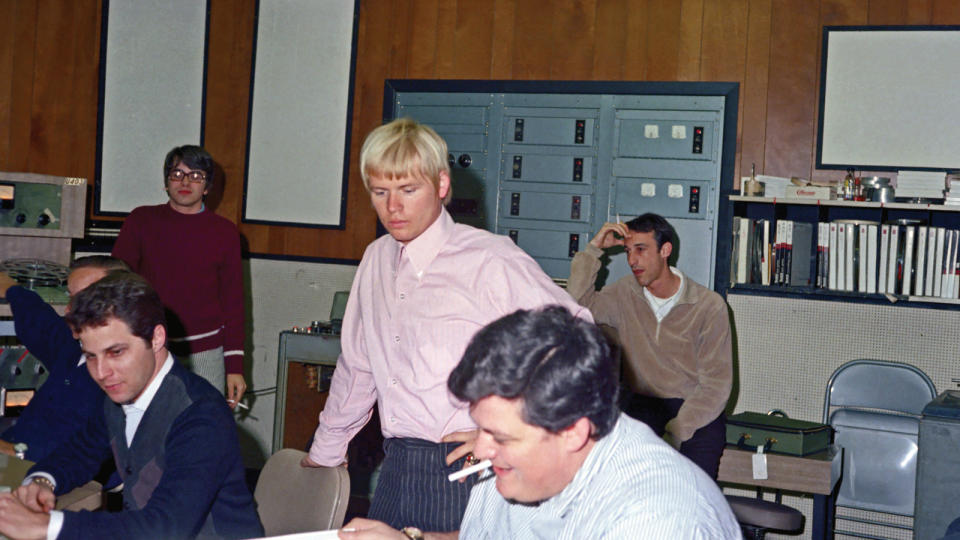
(152, 80)
(298, 145)
(889, 98)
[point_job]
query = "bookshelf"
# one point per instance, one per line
(815, 211)
(860, 205)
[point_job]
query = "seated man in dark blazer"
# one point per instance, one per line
(170, 432)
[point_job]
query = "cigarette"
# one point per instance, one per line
(618, 217)
(470, 470)
(349, 529)
(241, 405)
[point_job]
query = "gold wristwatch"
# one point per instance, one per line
(412, 533)
(43, 481)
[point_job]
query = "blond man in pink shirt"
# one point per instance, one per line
(420, 293)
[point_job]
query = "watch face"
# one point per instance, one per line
(413, 533)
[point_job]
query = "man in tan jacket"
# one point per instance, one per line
(675, 335)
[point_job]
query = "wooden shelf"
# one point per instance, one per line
(814, 293)
(847, 204)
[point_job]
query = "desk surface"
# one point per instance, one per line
(13, 470)
(816, 473)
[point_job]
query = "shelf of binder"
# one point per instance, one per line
(897, 260)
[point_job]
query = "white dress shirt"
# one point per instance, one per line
(133, 413)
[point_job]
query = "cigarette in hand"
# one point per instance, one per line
(469, 470)
(241, 405)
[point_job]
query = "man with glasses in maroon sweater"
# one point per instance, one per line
(192, 257)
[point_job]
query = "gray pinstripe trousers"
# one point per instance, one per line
(413, 489)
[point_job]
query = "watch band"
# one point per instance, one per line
(43, 481)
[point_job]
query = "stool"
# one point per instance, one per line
(757, 516)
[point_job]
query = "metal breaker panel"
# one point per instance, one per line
(549, 168)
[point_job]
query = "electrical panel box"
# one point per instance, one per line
(549, 163)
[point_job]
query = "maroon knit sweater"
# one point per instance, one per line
(193, 261)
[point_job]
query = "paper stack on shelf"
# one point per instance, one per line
(921, 184)
(952, 194)
(773, 186)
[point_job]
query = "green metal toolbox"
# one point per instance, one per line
(778, 433)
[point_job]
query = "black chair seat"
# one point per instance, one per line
(765, 514)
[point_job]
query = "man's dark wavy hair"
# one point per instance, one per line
(561, 366)
(653, 223)
(119, 295)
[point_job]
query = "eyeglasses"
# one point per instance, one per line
(176, 175)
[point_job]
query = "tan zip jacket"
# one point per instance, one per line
(687, 355)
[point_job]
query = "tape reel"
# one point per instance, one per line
(33, 273)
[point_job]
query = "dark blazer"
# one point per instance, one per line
(183, 476)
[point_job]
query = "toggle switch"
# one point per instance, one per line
(514, 204)
(574, 245)
(575, 207)
(698, 140)
(694, 207)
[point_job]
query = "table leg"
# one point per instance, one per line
(824, 514)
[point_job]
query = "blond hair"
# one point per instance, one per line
(405, 148)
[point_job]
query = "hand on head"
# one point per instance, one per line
(611, 234)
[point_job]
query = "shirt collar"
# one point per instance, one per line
(654, 300)
(423, 249)
(601, 453)
(684, 295)
(142, 402)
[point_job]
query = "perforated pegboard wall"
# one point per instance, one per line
(787, 349)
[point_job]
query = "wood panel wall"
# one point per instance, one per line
(50, 50)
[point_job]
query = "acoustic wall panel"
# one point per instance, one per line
(152, 81)
(300, 105)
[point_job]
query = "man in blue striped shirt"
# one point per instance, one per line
(542, 387)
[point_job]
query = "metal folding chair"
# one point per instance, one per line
(874, 408)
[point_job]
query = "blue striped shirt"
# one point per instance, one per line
(632, 485)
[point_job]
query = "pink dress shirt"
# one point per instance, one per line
(411, 313)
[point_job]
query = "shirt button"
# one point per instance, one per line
(393, 382)
(403, 296)
(396, 339)
(393, 419)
